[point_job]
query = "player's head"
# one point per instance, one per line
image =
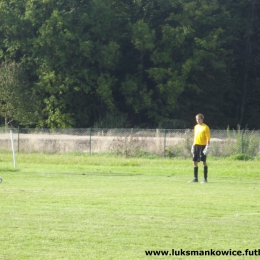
(199, 118)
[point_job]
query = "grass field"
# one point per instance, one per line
(101, 207)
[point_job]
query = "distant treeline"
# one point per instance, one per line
(129, 63)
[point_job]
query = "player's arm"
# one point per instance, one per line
(192, 147)
(206, 150)
(207, 133)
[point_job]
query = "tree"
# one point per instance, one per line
(188, 51)
(150, 60)
(244, 63)
(16, 99)
(75, 58)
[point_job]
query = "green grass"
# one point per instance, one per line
(101, 207)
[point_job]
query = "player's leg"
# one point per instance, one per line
(195, 169)
(195, 164)
(205, 172)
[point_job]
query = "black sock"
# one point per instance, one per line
(205, 172)
(196, 173)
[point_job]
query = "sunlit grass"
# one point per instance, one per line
(103, 207)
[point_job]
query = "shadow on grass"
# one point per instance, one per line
(112, 174)
(8, 170)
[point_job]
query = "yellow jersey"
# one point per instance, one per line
(201, 134)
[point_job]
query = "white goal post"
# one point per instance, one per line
(12, 143)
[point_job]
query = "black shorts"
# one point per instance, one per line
(198, 154)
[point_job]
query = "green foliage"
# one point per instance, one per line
(178, 151)
(113, 119)
(104, 91)
(136, 94)
(237, 142)
(172, 124)
(250, 143)
(143, 36)
(15, 93)
(174, 151)
(241, 157)
(151, 60)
